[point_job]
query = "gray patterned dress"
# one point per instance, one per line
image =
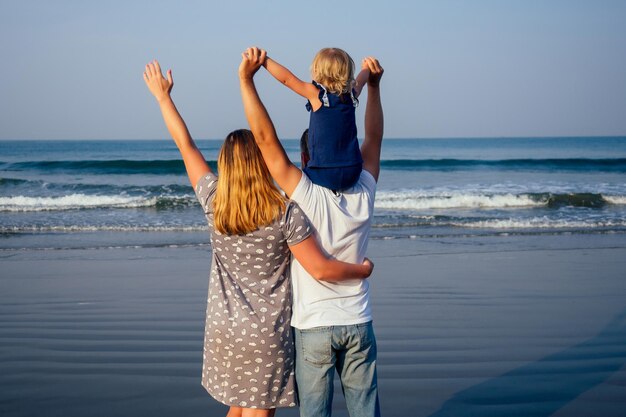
(248, 356)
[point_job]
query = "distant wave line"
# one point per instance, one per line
(118, 166)
(176, 166)
(569, 164)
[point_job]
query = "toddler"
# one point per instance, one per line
(335, 159)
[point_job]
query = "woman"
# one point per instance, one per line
(248, 359)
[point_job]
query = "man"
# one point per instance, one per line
(332, 322)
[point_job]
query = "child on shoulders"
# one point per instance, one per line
(335, 158)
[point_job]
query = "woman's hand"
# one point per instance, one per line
(376, 71)
(251, 60)
(158, 85)
(369, 265)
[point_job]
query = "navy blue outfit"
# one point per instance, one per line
(335, 158)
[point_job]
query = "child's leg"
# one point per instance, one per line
(338, 178)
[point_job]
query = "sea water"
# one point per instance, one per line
(112, 193)
(108, 331)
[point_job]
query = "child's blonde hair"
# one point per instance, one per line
(334, 69)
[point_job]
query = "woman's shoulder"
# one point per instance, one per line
(205, 191)
(291, 208)
(206, 182)
(294, 213)
(295, 225)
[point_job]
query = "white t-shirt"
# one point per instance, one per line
(342, 225)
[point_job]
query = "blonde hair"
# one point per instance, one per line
(334, 69)
(246, 197)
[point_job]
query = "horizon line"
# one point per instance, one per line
(387, 138)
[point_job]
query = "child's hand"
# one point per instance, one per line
(361, 78)
(251, 60)
(158, 85)
(376, 71)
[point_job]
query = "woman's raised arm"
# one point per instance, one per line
(160, 87)
(284, 172)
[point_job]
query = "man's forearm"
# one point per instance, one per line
(374, 126)
(374, 120)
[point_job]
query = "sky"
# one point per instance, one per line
(73, 69)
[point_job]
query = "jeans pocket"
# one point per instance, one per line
(315, 345)
(366, 336)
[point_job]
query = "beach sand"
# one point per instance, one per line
(480, 326)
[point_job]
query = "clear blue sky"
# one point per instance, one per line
(73, 69)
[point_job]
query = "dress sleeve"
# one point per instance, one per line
(322, 95)
(296, 226)
(205, 191)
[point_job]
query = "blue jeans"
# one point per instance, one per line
(349, 349)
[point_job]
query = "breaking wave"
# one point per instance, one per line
(83, 201)
(416, 200)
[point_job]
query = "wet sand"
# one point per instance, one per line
(477, 327)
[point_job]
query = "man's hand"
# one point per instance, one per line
(251, 60)
(158, 85)
(376, 71)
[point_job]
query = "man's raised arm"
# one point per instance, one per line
(286, 174)
(374, 121)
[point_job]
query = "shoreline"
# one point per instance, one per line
(464, 327)
(16, 242)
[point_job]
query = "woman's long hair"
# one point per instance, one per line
(246, 197)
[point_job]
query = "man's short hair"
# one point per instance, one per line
(304, 143)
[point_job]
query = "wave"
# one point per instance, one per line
(566, 164)
(383, 227)
(386, 200)
(419, 201)
(615, 199)
(540, 223)
(118, 166)
(35, 186)
(101, 228)
(176, 166)
(13, 181)
(83, 201)
(537, 222)
(415, 200)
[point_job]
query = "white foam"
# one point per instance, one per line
(420, 201)
(615, 199)
(76, 228)
(538, 223)
(73, 201)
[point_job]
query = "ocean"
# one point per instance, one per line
(498, 288)
(112, 193)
